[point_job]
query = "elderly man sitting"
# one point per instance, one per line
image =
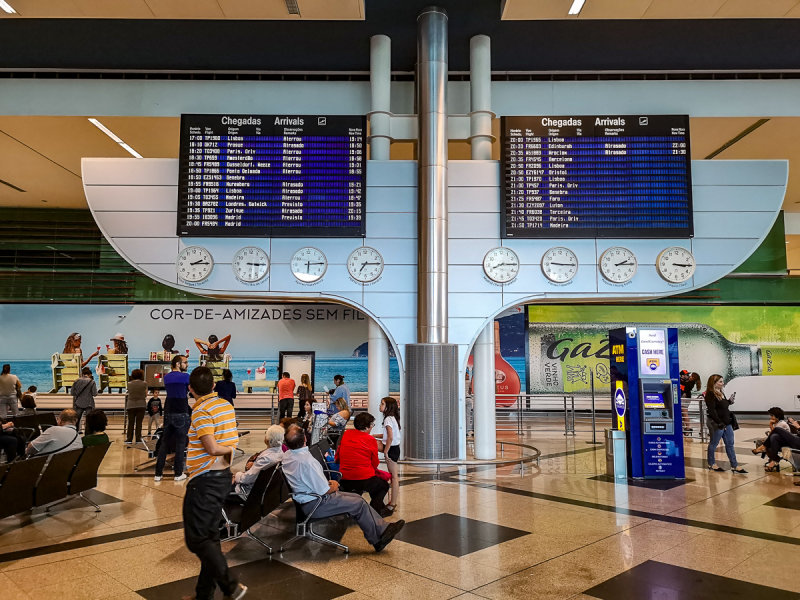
(305, 476)
(244, 480)
(60, 438)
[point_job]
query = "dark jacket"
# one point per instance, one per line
(718, 411)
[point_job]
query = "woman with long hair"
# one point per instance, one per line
(73, 346)
(214, 348)
(305, 393)
(389, 444)
(10, 392)
(720, 421)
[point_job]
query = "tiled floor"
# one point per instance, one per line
(559, 530)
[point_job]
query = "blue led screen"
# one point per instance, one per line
(596, 176)
(272, 176)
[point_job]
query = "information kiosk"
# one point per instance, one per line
(646, 400)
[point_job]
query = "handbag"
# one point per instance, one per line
(385, 475)
(734, 421)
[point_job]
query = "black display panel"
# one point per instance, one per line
(272, 176)
(596, 176)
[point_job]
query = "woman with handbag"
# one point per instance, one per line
(721, 422)
(83, 392)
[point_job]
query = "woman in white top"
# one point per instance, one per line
(389, 444)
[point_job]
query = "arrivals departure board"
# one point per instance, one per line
(596, 176)
(272, 176)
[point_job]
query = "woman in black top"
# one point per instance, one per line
(226, 388)
(719, 423)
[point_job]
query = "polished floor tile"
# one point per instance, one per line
(650, 484)
(661, 581)
(267, 579)
(788, 500)
(456, 535)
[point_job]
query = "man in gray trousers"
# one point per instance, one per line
(305, 476)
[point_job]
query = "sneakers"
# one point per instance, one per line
(180, 477)
(157, 478)
(388, 534)
(240, 591)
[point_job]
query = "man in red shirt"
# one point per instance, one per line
(286, 395)
(358, 461)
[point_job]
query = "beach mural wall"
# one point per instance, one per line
(337, 334)
(755, 348)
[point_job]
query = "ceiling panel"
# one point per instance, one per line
(118, 9)
(185, 9)
(332, 10)
(614, 9)
(256, 9)
(710, 133)
(776, 139)
(152, 137)
(763, 9)
(682, 9)
(524, 10)
(45, 8)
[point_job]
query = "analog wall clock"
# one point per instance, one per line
(501, 264)
(309, 264)
(365, 264)
(675, 264)
(250, 264)
(559, 264)
(618, 264)
(194, 264)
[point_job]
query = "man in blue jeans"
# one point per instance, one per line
(177, 417)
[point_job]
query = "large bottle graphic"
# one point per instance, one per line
(506, 378)
(561, 355)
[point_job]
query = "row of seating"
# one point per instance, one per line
(36, 481)
(33, 425)
(269, 491)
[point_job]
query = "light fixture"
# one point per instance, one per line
(7, 7)
(576, 7)
(113, 135)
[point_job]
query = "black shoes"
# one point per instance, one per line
(388, 534)
(385, 512)
(238, 593)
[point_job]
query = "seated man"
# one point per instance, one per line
(304, 475)
(61, 438)
(358, 460)
(10, 442)
(244, 480)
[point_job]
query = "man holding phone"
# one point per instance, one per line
(213, 438)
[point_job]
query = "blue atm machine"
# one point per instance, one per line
(646, 400)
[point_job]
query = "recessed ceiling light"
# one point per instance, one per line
(114, 137)
(576, 7)
(7, 7)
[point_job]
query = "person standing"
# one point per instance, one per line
(176, 417)
(390, 444)
(286, 395)
(305, 393)
(154, 412)
(10, 392)
(341, 391)
(720, 421)
(213, 438)
(135, 405)
(226, 388)
(689, 381)
(83, 392)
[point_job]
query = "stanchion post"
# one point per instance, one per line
(566, 417)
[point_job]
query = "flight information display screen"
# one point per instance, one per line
(272, 176)
(596, 176)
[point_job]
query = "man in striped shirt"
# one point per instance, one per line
(212, 441)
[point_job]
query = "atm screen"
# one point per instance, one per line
(654, 400)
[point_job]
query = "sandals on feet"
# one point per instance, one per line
(772, 469)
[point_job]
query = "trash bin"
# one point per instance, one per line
(616, 454)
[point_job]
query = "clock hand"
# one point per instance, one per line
(199, 262)
(624, 262)
(563, 264)
(505, 265)
(681, 265)
(256, 264)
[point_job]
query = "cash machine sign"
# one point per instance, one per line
(652, 364)
(619, 402)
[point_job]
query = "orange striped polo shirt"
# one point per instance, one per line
(210, 416)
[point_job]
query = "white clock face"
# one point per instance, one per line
(501, 265)
(250, 264)
(618, 264)
(559, 264)
(309, 264)
(675, 264)
(194, 264)
(365, 264)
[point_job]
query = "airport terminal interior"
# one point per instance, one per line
(559, 236)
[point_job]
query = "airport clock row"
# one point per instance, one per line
(251, 264)
(616, 264)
